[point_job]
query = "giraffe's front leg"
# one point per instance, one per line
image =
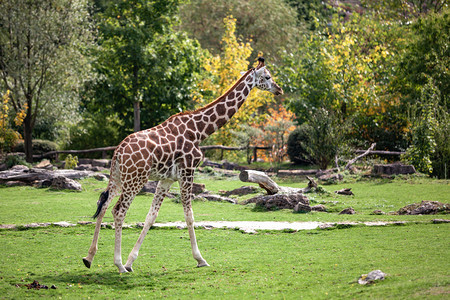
(186, 190)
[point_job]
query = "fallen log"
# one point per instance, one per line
(270, 186)
(351, 162)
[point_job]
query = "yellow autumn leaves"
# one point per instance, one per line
(8, 136)
(225, 70)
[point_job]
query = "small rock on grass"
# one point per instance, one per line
(347, 211)
(371, 277)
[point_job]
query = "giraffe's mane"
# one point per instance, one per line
(220, 98)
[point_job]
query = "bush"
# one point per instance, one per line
(14, 160)
(295, 150)
(321, 138)
(71, 162)
(39, 146)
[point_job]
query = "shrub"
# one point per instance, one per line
(70, 162)
(322, 137)
(14, 160)
(295, 149)
(39, 146)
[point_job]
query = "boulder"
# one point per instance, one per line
(243, 190)
(371, 277)
(425, 208)
(347, 211)
(198, 188)
(347, 192)
(281, 201)
(45, 164)
(319, 207)
(331, 177)
(393, 169)
(211, 197)
(63, 183)
(104, 163)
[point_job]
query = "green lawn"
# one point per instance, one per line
(314, 264)
(22, 205)
(318, 264)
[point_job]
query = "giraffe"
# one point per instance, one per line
(169, 152)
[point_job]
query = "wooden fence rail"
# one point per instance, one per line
(55, 154)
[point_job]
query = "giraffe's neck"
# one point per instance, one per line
(217, 113)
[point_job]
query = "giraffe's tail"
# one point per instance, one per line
(103, 198)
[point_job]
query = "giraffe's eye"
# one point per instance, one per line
(267, 77)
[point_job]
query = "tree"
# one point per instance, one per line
(41, 61)
(270, 26)
(224, 70)
(142, 63)
(8, 136)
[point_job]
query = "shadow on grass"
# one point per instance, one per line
(105, 278)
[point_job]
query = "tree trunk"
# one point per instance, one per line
(27, 137)
(137, 116)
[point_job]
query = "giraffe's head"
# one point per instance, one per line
(264, 80)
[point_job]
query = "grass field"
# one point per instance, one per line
(314, 264)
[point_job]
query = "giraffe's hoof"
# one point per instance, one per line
(87, 263)
(202, 264)
(129, 269)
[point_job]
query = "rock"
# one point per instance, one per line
(439, 221)
(149, 187)
(218, 198)
(63, 183)
(319, 207)
(15, 183)
(45, 164)
(347, 192)
(83, 167)
(279, 201)
(425, 208)
(101, 177)
(378, 212)
(371, 277)
(393, 169)
(104, 163)
(64, 224)
(331, 177)
(243, 190)
(198, 188)
(20, 168)
(347, 211)
(302, 208)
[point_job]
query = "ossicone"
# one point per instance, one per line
(260, 62)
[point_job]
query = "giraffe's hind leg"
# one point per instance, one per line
(161, 191)
(110, 193)
(129, 191)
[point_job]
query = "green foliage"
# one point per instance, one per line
(423, 142)
(95, 131)
(268, 30)
(427, 57)
(71, 162)
(14, 160)
(144, 67)
(41, 58)
(325, 137)
(295, 149)
(39, 146)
